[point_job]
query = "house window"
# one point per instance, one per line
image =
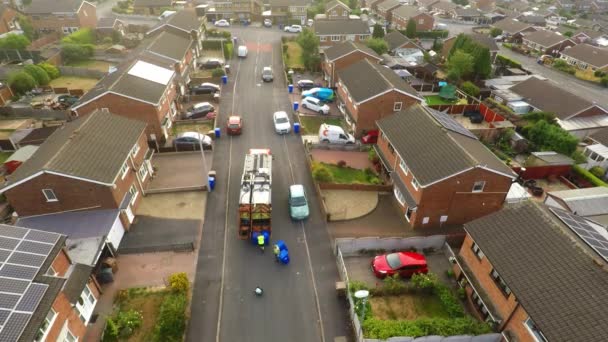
(143, 172)
(478, 186)
(124, 170)
(322, 39)
(425, 220)
(397, 106)
(479, 304)
(403, 166)
(362, 37)
(391, 148)
(333, 12)
(49, 194)
(500, 283)
(477, 251)
(533, 329)
(399, 196)
(135, 150)
(415, 184)
(335, 38)
(69, 337)
(408, 213)
(46, 326)
(350, 37)
(134, 192)
(420, 21)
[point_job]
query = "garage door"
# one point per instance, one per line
(116, 233)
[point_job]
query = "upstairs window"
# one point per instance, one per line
(475, 248)
(500, 283)
(49, 194)
(478, 186)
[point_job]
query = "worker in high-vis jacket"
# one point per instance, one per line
(261, 242)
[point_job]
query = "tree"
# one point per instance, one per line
(495, 32)
(548, 137)
(14, 41)
(410, 29)
(77, 52)
(568, 34)
(378, 31)
(460, 65)
(482, 62)
(39, 75)
(437, 45)
(470, 88)
(353, 4)
(309, 43)
(50, 69)
(82, 36)
(21, 82)
(26, 27)
(379, 45)
(461, 2)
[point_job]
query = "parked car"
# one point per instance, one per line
(199, 110)
(166, 14)
(293, 28)
(281, 122)
(267, 74)
(334, 135)
(267, 23)
(405, 264)
(211, 63)
(305, 85)
(370, 138)
(205, 88)
(315, 105)
(323, 94)
(242, 51)
(298, 204)
(191, 141)
(234, 125)
(222, 23)
(310, 22)
(67, 99)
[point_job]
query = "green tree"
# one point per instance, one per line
(14, 41)
(309, 43)
(21, 82)
(353, 4)
(377, 44)
(470, 88)
(82, 36)
(437, 45)
(39, 75)
(76, 52)
(26, 27)
(378, 31)
(317, 8)
(548, 137)
(460, 65)
(568, 34)
(482, 62)
(495, 32)
(410, 29)
(50, 69)
(461, 2)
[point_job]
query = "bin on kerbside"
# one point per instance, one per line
(296, 105)
(224, 79)
(217, 132)
(211, 182)
(290, 88)
(296, 128)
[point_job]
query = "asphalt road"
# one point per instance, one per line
(584, 89)
(104, 10)
(299, 302)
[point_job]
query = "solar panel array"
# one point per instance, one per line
(596, 238)
(449, 123)
(22, 253)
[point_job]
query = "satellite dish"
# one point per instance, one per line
(361, 294)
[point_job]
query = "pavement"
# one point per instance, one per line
(587, 90)
(179, 171)
(356, 160)
(300, 302)
(345, 205)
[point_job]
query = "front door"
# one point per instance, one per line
(129, 213)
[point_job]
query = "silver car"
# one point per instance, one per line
(281, 122)
(267, 74)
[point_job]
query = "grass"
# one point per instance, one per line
(586, 75)
(311, 124)
(433, 100)
(294, 56)
(147, 302)
(202, 127)
(73, 82)
(407, 307)
(348, 175)
(4, 156)
(92, 64)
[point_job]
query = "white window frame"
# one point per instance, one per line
(51, 272)
(409, 211)
(333, 38)
(143, 172)
(50, 195)
(397, 106)
(68, 335)
(399, 195)
(124, 170)
(537, 337)
(322, 38)
(134, 191)
(421, 21)
(50, 322)
(135, 150)
(415, 183)
(478, 252)
(476, 184)
(403, 166)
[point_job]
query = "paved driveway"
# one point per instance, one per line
(179, 171)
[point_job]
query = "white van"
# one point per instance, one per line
(242, 51)
(334, 135)
(166, 14)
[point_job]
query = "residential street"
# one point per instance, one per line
(584, 89)
(104, 10)
(296, 296)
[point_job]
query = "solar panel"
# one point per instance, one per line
(41, 236)
(12, 231)
(8, 301)
(18, 271)
(8, 243)
(26, 259)
(4, 255)
(35, 247)
(449, 123)
(591, 235)
(13, 328)
(30, 300)
(13, 285)
(4, 315)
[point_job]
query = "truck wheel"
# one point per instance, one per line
(325, 141)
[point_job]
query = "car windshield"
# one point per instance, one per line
(298, 201)
(282, 120)
(233, 126)
(393, 260)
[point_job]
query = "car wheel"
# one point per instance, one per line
(321, 112)
(325, 141)
(304, 105)
(349, 143)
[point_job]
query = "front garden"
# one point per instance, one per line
(342, 174)
(310, 124)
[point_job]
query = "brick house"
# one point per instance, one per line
(185, 23)
(527, 272)
(343, 55)
(77, 168)
(63, 16)
(444, 8)
(107, 27)
(398, 43)
(481, 39)
(384, 9)
(441, 173)
(368, 92)
(586, 57)
(150, 7)
(546, 42)
(337, 10)
(404, 13)
(9, 20)
(335, 31)
(54, 297)
(138, 90)
(426, 4)
(284, 10)
(513, 29)
(588, 36)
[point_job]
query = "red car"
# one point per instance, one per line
(370, 138)
(405, 264)
(234, 126)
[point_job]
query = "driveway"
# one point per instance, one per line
(179, 171)
(166, 222)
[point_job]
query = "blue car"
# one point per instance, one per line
(323, 94)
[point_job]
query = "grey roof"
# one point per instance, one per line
(74, 224)
(185, 20)
(533, 19)
(433, 152)
(548, 97)
(289, 3)
(545, 38)
(340, 26)
(38, 135)
(591, 55)
(55, 6)
(334, 3)
(552, 158)
(467, 12)
(170, 45)
(387, 4)
(94, 147)
(589, 33)
(339, 50)
(561, 287)
(601, 136)
(427, 3)
(444, 5)
(364, 80)
(152, 3)
(78, 280)
(406, 12)
(511, 26)
(584, 202)
(396, 39)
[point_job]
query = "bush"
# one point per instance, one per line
(424, 282)
(495, 32)
(431, 34)
(604, 81)
(50, 69)
(549, 137)
(82, 36)
(470, 88)
(39, 75)
(123, 4)
(107, 40)
(228, 50)
(505, 61)
(448, 301)
(373, 156)
(597, 171)
(218, 72)
(578, 157)
(385, 329)
(122, 326)
(77, 52)
(178, 282)
(588, 176)
(379, 45)
(562, 65)
(14, 41)
(599, 73)
(21, 82)
(322, 174)
(171, 320)
(393, 285)
(110, 333)
(341, 163)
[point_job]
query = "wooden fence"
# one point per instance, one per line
(26, 112)
(81, 72)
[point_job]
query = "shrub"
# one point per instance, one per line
(379, 45)
(218, 72)
(505, 61)
(470, 88)
(39, 75)
(50, 69)
(131, 320)
(110, 333)
(599, 73)
(578, 157)
(385, 329)
(171, 320)
(21, 82)
(107, 40)
(588, 176)
(448, 301)
(77, 52)
(123, 4)
(228, 50)
(597, 171)
(393, 285)
(373, 156)
(562, 65)
(341, 163)
(425, 282)
(82, 36)
(495, 32)
(14, 41)
(549, 137)
(322, 174)
(178, 282)
(356, 285)
(604, 81)
(430, 34)
(462, 293)
(449, 273)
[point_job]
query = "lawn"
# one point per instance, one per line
(311, 124)
(348, 175)
(147, 302)
(73, 82)
(294, 56)
(92, 64)
(433, 100)
(407, 307)
(4, 156)
(586, 75)
(202, 127)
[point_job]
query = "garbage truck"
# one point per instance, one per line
(255, 207)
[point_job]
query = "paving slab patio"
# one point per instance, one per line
(344, 205)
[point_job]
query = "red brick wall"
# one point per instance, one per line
(87, 15)
(383, 146)
(595, 110)
(65, 312)
(346, 61)
(8, 15)
(427, 22)
(61, 264)
(341, 13)
(5, 95)
(329, 42)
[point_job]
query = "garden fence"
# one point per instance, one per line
(352, 246)
(81, 72)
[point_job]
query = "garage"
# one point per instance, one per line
(116, 233)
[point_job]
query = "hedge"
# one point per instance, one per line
(430, 34)
(171, 321)
(588, 176)
(507, 61)
(385, 329)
